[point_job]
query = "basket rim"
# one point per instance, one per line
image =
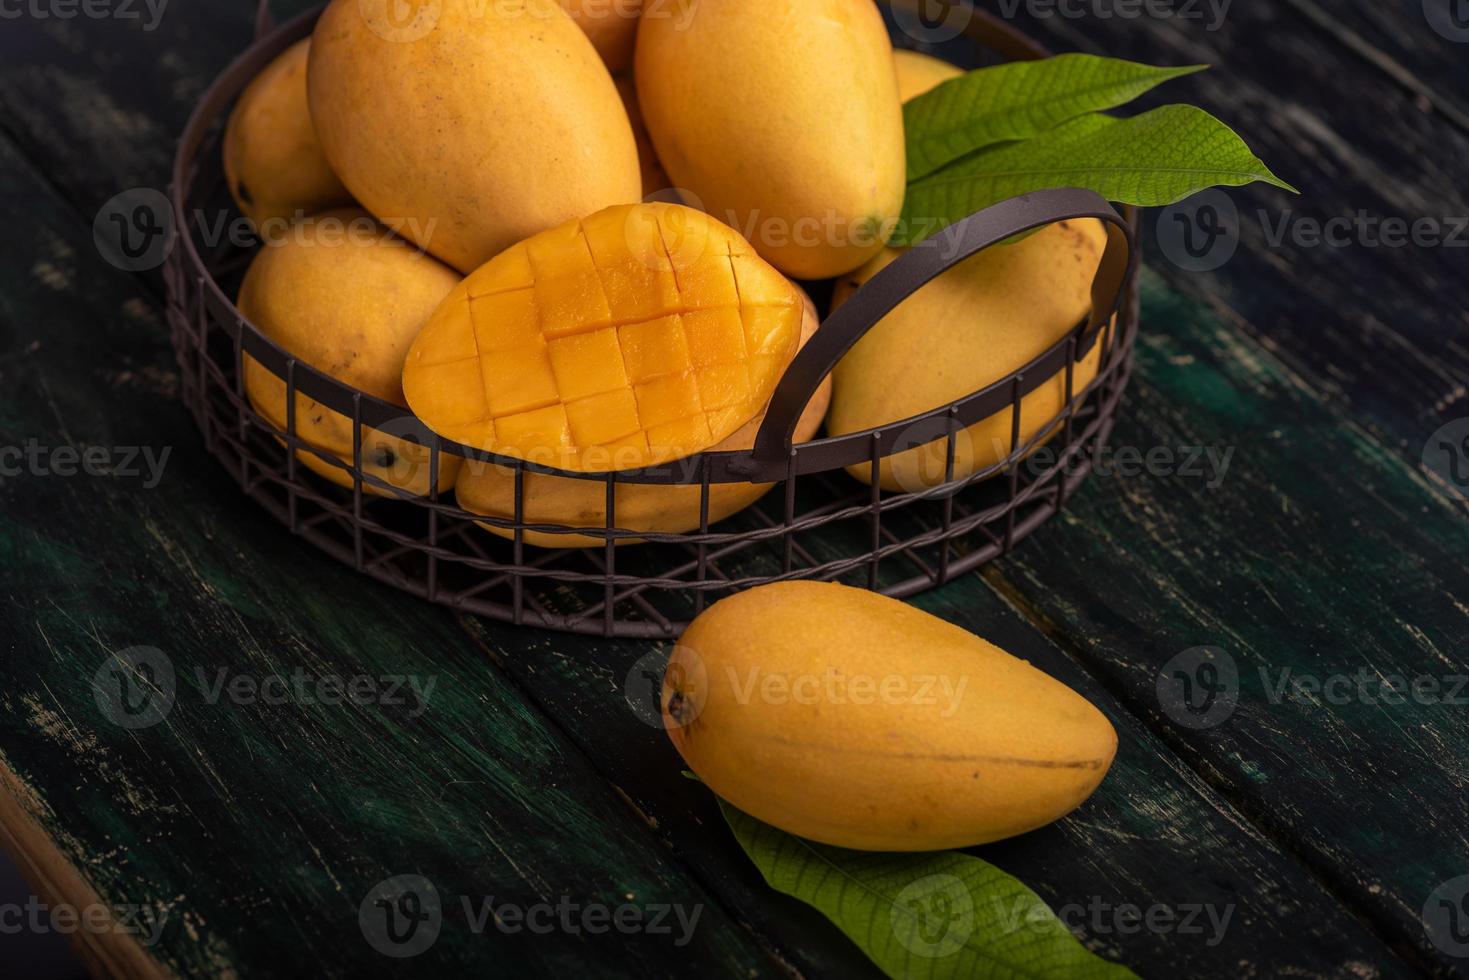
(774, 457)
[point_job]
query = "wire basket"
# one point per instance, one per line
(815, 523)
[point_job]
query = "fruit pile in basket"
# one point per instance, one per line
(576, 233)
(580, 234)
(562, 232)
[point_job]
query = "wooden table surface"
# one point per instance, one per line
(1322, 821)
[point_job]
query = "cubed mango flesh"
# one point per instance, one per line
(641, 334)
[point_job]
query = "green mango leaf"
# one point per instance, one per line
(1155, 159)
(934, 915)
(1017, 101)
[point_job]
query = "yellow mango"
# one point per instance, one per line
(273, 162)
(849, 718)
(611, 25)
(639, 335)
(344, 296)
(469, 126)
(781, 118)
(489, 489)
(980, 321)
(919, 73)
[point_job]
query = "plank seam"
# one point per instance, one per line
(1384, 929)
(1381, 61)
(766, 943)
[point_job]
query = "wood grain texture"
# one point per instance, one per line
(1154, 836)
(1317, 555)
(229, 815)
(1382, 331)
(1292, 815)
(1419, 44)
(254, 586)
(108, 951)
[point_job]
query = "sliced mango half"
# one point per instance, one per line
(641, 334)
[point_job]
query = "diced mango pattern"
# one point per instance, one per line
(641, 334)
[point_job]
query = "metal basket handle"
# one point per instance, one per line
(927, 261)
(264, 19)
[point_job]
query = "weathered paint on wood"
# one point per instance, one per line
(1378, 329)
(1157, 828)
(1418, 44)
(257, 828)
(566, 677)
(1320, 557)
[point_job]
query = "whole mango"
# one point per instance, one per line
(638, 335)
(273, 162)
(489, 489)
(346, 297)
(849, 718)
(980, 321)
(469, 126)
(781, 118)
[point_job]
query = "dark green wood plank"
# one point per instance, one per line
(260, 827)
(1380, 330)
(103, 100)
(102, 153)
(1231, 870)
(1154, 836)
(1339, 127)
(1319, 553)
(134, 152)
(1418, 44)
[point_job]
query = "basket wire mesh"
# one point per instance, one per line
(815, 523)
